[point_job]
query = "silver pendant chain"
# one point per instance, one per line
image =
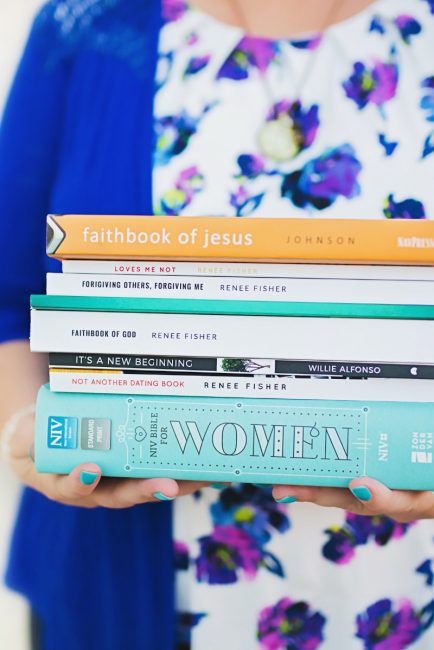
(278, 138)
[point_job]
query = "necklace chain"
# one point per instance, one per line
(278, 137)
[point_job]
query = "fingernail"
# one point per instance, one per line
(218, 486)
(88, 478)
(162, 497)
(362, 493)
(288, 499)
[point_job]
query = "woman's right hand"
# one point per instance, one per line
(84, 486)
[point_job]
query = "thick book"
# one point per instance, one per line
(305, 442)
(400, 241)
(137, 363)
(376, 340)
(274, 386)
(408, 292)
(246, 270)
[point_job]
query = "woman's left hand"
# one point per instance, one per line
(364, 496)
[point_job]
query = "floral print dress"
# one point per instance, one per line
(252, 573)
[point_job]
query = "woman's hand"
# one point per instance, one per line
(365, 496)
(84, 486)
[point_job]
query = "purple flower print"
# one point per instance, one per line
(290, 625)
(225, 553)
(305, 120)
(377, 25)
(181, 556)
(196, 64)
(245, 203)
(251, 166)
(173, 10)
(372, 86)
(408, 27)
(192, 38)
(251, 508)
(173, 133)
(358, 530)
(427, 570)
(340, 548)
(251, 52)
(407, 209)
(431, 5)
(189, 182)
(322, 180)
(427, 101)
(307, 43)
(385, 626)
(389, 146)
(428, 145)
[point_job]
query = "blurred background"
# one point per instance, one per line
(15, 20)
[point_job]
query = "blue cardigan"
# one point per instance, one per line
(77, 137)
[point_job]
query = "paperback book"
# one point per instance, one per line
(399, 241)
(376, 340)
(136, 363)
(250, 269)
(314, 442)
(269, 386)
(258, 289)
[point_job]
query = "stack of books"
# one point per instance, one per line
(191, 348)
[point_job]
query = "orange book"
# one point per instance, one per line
(398, 241)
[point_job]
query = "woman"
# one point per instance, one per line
(322, 109)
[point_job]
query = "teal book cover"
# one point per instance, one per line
(232, 307)
(305, 442)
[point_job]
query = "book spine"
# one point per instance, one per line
(213, 238)
(271, 386)
(281, 308)
(248, 366)
(346, 339)
(264, 289)
(238, 269)
(309, 442)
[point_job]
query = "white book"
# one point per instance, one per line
(410, 292)
(396, 390)
(245, 269)
(344, 339)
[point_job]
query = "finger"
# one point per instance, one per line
(402, 505)
(322, 496)
(79, 484)
(124, 493)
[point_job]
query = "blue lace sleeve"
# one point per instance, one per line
(29, 137)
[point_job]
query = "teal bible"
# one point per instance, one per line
(305, 442)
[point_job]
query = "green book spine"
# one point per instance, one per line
(233, 307)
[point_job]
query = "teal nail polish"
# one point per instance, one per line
(218, 486)
(88, 478)
(362, 493)
(262, 485)
(288, 499)
(162, 497)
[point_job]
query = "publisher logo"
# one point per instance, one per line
(421, 457)
(62, 432)
(421, 447)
